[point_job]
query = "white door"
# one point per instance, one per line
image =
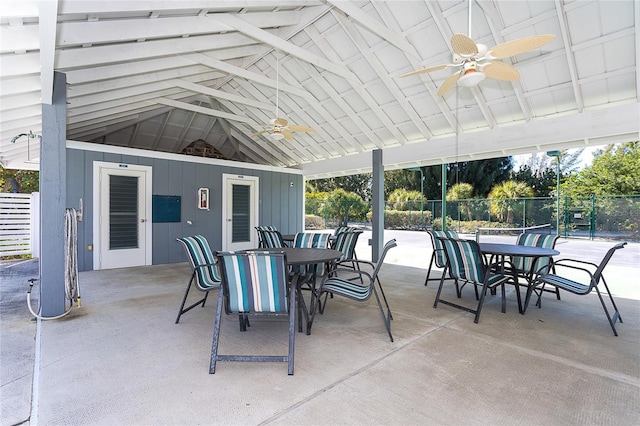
(124, 215)
(240, 212)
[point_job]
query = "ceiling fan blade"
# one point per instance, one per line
(259, 133)
(426, 70)
(500, 71)
(280, 121)
(521, 45)
(463, 45)
(287, 134)
(449, 83)
(295, 128)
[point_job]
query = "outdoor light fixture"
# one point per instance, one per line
(29, 136)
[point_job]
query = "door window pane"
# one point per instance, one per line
(241, 213)
(123, 212)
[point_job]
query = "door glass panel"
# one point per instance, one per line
(241, 213)
(123, 212)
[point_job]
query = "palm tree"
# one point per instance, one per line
(461, 191)
(503, 197)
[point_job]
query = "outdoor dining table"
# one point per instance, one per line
(501, 251)
(302, 256)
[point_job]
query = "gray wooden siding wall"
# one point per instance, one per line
(280, 202)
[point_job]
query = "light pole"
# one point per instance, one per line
(556, 154)
(419, 169)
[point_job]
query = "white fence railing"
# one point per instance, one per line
(19, 221)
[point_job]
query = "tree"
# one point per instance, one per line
(401, 199)
(344, 206)
(359, 184)
(25, 181)
(615, 171)
(503, 198)
(483, 173)
(543, 182)
(461, 192)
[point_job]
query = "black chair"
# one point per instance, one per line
(591, 281)
(466, 263)
(343, 286)
(254, 283)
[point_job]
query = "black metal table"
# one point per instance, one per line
(300, 256)
(501, 251)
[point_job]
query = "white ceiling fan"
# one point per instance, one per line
(278, 127)
(474, 61)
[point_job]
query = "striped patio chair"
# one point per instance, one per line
(204, 271)
(339, 286)
(260, 229)
(466, 263)
(254, 283)
(345, 242)
(438, 256)
(584, 278)
(311, 240)
(272, 239)
(526, 267)
(340, 229)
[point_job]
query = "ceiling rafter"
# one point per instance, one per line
(386, 79)
(571, 63)
(383, 10)
(258, 34)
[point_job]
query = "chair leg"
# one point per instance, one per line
(482, 294)
(435, 303)
(216, 335)
(385, 298)
(182, 309)
(616, 315)
(426, 281)
(292, 332)
(385, 318)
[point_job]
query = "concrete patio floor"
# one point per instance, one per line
(121, 360)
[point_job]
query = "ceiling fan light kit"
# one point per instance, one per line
(476, 60)
(279, 128)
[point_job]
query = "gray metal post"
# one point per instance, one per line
(53, 173)
(377, 220)
(444, 197)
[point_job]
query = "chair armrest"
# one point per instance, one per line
(569, 264)
(353, 272)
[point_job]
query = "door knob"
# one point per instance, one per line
(142, 220)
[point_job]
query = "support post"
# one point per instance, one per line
(377, 219)
(444, 196)
(53, 173)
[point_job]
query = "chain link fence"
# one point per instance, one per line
(610, 217)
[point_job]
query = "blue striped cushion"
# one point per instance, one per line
(347, 288)
(257, 281)
(200, 254)
(272, 239)
(340, 229)
(346, 243)
(311, 240)
(441, 257)
(524, 264)
(465, 259)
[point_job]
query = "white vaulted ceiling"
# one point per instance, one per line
(159, 75)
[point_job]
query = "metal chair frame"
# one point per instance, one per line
(544, 278)
(462, 255)
(250, 271)
(361, 293)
